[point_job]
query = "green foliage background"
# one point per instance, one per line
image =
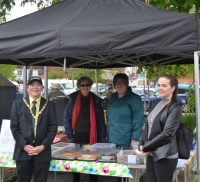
(76, 73)
(191, 100)
(8, 70)
(189, 120)
(182, 6)
(173, 5)
(154, 71)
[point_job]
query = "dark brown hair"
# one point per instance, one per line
(120, 76)
(174, 83)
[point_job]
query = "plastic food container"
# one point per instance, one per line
(104, 148)
(126, 157)
(61, 147)
(69, 155)
(89, 156)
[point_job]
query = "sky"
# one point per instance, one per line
(18, 11)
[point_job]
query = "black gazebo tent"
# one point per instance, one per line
(99, 34)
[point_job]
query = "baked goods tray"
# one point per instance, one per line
(90, 156)
(70, 155)
(61, 147)
(105, 149)
(109, 159)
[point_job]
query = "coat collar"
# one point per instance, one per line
(42, 101)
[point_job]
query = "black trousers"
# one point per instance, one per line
(37, 169)
(77, 176)
(161, 170)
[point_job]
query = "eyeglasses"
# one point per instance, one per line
(85, 85)
(119, 83)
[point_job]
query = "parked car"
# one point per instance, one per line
(183, 95)
(149, 97)
(67, 88)
(101, 88)
(66, 85)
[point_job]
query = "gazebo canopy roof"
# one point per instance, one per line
(100, 34)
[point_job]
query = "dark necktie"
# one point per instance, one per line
(34, 107)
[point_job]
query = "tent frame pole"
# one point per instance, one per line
(46, 82)
(197, 100)
(24, 80)
(96, 80)
(64, 64)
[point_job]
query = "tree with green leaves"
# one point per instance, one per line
(7, 5)
(181, 6)
(185, 6)
(8, 71)
(76, 73)
(153, 72)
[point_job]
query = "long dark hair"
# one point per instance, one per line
(174, 83)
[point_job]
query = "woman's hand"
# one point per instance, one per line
(142, 152)
(134, 142)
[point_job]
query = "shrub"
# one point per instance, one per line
(191, 100)
(189, 120)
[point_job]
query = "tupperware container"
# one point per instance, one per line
(61, 147)
(104, 148)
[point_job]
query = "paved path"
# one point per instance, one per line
(68, 177)
(10, 176)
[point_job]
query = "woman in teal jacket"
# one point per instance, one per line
(125, 114)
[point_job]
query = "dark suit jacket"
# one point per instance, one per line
(22, 130)
(162, 139)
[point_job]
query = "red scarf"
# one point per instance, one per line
(76, 111)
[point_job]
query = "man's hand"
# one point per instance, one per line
(39, 149)
(28, 148)
(34, 150)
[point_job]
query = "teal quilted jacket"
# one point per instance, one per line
(125, 116)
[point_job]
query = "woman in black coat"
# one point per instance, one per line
(159, 137)
(84, 118)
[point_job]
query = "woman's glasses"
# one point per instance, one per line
(85, 85)
(119, 83)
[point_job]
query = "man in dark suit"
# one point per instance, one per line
(34, 126)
